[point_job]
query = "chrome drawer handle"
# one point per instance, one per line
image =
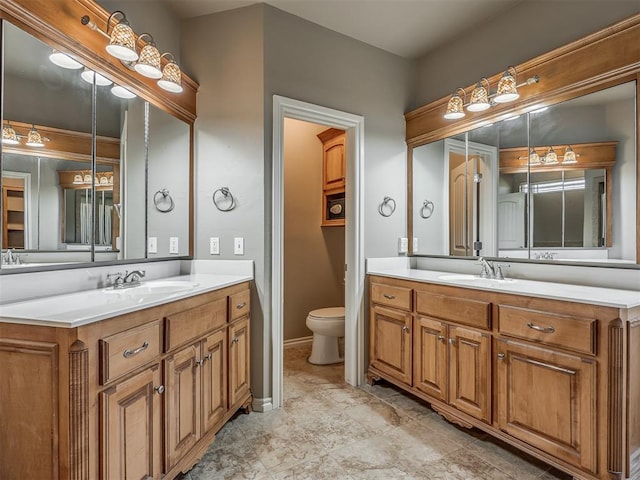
(240, 306)
(538, 328)
(389, 297)
(131, 353)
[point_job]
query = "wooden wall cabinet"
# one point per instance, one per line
(556, 379)
(333, 176)
(13, 213)
(140, 395)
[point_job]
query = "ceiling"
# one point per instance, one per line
(408, 28)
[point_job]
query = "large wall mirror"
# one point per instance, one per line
(551, 184)
(59, 206)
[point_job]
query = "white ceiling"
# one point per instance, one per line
(408, 28)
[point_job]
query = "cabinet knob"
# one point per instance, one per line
(159, 389)
(200, 362)
(501, 356)
(235, 340)
(452, 341)
(405, 329)
(209, 356)
(440, 338)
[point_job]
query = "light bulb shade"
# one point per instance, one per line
(507, 89)
(479, 99)
(455, 108)
(171, 80)
(9, 136)
(551, 157)
(77, 179)
(149, 62)
(569, 156)
(122, 92)
(63, 60)
(87, 76)
(122, 43)
(534, 158)
(34, 139)
(104, 180)
(87, 178)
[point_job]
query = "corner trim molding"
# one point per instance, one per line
(262, 404)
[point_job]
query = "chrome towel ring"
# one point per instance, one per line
(387, 207)
(163, 201)
(226, 197)
(427, 209)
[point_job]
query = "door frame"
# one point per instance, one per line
(354, 344)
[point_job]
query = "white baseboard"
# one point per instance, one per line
(296, 342)
(262, 404)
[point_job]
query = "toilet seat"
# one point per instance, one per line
(336, 313)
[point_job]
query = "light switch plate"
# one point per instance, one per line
(173, 245)
(238, 246)
(214, 245)
(403, 245)
(152, 245)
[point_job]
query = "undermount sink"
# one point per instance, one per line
(465, 277)
(152, 287)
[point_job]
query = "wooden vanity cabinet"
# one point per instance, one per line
(556, 379)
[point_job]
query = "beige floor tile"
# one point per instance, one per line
(233, 461)
(319, 468)
(286, 446)
(461, 465)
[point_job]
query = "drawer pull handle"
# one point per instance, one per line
(389, 297)
(501, 356)
(130, 353)
(240, 306)
(405, 329)
(159, 389)
(538, 328)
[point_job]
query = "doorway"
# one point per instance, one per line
(354, 344)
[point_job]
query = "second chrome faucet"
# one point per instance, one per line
(128, 280)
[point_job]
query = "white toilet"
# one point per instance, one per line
(327, 325)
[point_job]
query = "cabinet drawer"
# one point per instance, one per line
(239, 305)
(125, 351)
(474, 313)
(567, 331)
(190, 324)
(397, 297)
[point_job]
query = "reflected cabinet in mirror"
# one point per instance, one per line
(557, 183)
(61, 202)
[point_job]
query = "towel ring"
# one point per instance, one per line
(387, 202)
(226, 195)
(162, 196)
(427, 209)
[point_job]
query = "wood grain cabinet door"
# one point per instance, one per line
(214, 379)
(182, 404)
(547, 399)
(131, 428)
(430, 357)
(470, 372)
(391, 342)
(239, 361)
(334, 163)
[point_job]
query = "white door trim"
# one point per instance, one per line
(354, 243)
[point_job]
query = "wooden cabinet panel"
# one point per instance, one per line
(396, 297)
(239, 305)
(566, 331)
(333, 152)
(125, 351)
(182, 404)
(470, 372)
(391, 345)
(430, 357)
(474, 313)
(547, 399)
(189, 325)
(131, 428)
(239, 361)
(214, 379)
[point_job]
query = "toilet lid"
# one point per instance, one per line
(331, 312)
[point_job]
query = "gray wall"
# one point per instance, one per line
(313, 255)
(529, 29)
(429, 184)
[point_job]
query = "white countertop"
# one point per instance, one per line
(81, 308)
(607, 297)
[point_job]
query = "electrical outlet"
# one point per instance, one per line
(152, 245)
(214, 245)
(238, 246)
(173, 245)
(415, 245)
(403, 245)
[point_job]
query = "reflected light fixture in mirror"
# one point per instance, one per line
(77, 179)
(34, 139)
(122, 92)
(534, 158)
(569, 156)
(87, 75)
(9, 135)
(63, 60)
(551, 157)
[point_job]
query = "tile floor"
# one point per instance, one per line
(328, 429)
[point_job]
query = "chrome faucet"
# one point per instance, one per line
(488, 270)
(11, 258)
(128, 280)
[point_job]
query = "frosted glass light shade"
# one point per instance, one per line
(122, 43)
(171, 80)
(34, 139)
(455, 108)
(122, 92)
(534, 158)
(9, 136)
(551, 157)
(569, 156)
(479, 99)
(507, 89)
(149, 62)
(87, 76)
(63, 60)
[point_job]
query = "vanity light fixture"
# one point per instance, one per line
(534, 158)
(122, 41)
(88, 74)
(34, 139)
(122, 92)
(63, 60)
(481, 96)
(569, 156)
(171, 80)
(9, 135)
(149, 62)
(77, 179)
(551, 157)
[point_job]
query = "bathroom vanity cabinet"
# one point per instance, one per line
(557, 379)
(140, 395)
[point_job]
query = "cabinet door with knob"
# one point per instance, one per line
(214, 379)
(430, 357)
(239, 361)
(131, 427)
(391, 342)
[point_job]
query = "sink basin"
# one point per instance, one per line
(465, 277)
(154, 287)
